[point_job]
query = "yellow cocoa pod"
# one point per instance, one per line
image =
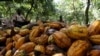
(78, 48)
(95, 39)
(77, 32)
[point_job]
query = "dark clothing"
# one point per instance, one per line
(20, 24)
(19, 20)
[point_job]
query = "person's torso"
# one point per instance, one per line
(19, 18)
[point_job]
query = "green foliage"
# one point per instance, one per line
(40, 7)
(75, 9)
(70, 9)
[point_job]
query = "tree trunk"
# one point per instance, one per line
(86, 12)
(29, 9)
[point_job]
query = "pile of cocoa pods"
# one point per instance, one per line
(51, 39)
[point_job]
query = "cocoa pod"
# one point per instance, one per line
(94, 28)
(16, 37)
(64, 30)
(52, 49)
(78, 48)
(2, 33)
(94, 53)
(42, 28)
(43, 39)
(24, 32)
(9, 46)
(95, 39)
(8, 53)
(61, 39)
(16, 29)
(58, 54)
(55, 25)
(20, 42)
(20, 53)
(77, 32)
(8, 40)
(40, 48)
(28, 47)
(31, 54)
(8, 31)
(51, 40)
(34, 33)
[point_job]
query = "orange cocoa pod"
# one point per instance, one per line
(94, 53)
(55, 25)
(9, 46)
(78, 48)
(19, 42)
(43, 39)
(94, 27)
(61, 39)
(31, 54)
(34, 33)
(28, 47)
(16, 37)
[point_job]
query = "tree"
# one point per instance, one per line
(32, 2)
(87, 11)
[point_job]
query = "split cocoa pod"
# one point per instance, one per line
(58, 54)
(20, 53)
(77, 32)
(61, 39)
(40, 48)
(94, 28)
(78, 48)
(95, 39)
